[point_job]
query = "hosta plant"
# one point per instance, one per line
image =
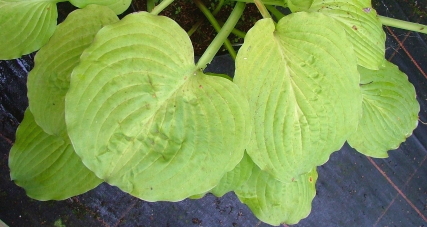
(123, 101)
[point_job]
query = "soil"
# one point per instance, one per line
(187, 14)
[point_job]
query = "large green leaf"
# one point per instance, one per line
(362, 25)
(275, 202)
(25, 26)
(49, 80)
(118, 6)
(302, 85)
(235, 178)
(390, 111)
(144, 118)
(46, 166)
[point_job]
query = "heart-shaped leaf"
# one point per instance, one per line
(49, 80)
(46, 166)
(25, 26)
(302, 85)
(362, 25)
(118, 6)
(275, 202)
(390, 111)
(144, 118)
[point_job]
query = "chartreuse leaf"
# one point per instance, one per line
(390, 111)
(197, 196)
(303, 89)
(298, 5)
(46, 166)
(275, 202)
(25, 26)
(118, 6)
(144, 118)
(232, 179)
(49, 80)
(220, 75)
(362, 25)
(235, 178)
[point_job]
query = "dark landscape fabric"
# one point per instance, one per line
(352, 189)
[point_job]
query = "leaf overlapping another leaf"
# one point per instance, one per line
(302, 86)
(390, 111)
(272, 201)
(118, 6)
(235, 178)
(25, 26)
(144, 118)
(275, 202)
(362, 26)
(298, 5)
(49, 80)
(46, 166)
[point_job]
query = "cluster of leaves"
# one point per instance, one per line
(122, 102)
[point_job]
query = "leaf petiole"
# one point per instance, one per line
(197, 25)
(403, 24)
(276, 13)
(150, 5)
(218, 7)
(157, 9)
(261, 7)
(222, 35)
(216, 26)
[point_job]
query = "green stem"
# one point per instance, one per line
(276, 13)
(197, 25)
(194, 27)
(238, 33)
(216, 26)
(213, 48)
(235, 31)
(261, 7)
(161, 6)
(403, 24)
(218, 7)
(150, 5)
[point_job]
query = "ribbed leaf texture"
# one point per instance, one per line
(362, 26)
(46, 166)
(302, 84)
(390, 111)
(144, 118)
(25, 26)
(49, 80)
